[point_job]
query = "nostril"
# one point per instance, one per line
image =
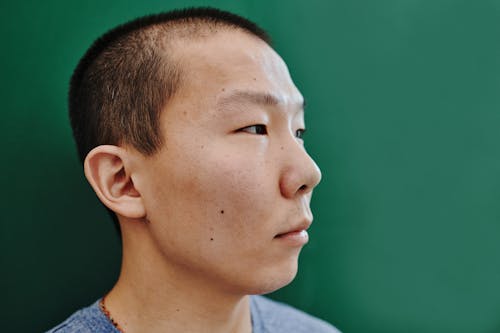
(302, 188)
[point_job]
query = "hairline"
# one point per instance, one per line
(173, 30)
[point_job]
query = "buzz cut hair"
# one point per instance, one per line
(128, 75)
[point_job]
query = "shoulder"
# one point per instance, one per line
(86, 320)
(272, 316)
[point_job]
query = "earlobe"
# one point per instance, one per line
(107, 171)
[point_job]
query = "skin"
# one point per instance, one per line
(210, 218)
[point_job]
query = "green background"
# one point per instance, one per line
(403, 119)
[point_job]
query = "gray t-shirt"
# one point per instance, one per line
(267, 317)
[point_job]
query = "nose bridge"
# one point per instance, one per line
(300, 173)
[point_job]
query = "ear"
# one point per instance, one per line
(107, 172)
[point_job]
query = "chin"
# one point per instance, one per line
(273, 279)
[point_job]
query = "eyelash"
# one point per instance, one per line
(260, 129)
(299, 134)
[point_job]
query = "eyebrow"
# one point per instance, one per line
(255, 97)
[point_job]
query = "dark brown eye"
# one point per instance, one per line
(258, 129)
(300, 133)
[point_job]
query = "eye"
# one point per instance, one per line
(258, 129)
(299, 134)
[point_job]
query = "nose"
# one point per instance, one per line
(300, 174)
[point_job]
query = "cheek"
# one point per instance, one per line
(211, 194)
(238, 191)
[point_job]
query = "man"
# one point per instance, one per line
(190, 131)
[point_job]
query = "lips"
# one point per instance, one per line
(295, 230)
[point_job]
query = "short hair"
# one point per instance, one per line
(127, 77)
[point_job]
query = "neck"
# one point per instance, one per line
(153, 296)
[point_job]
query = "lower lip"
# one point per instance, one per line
(296, 238)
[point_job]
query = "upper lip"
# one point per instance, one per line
(302, 225)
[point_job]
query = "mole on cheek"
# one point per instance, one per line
(211, 239)
(222, 211)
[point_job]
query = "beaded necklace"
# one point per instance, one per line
(108, 315)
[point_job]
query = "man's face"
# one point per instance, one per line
(233, 180)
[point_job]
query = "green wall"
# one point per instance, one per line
(404, 120)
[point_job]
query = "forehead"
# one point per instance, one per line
(233, 60)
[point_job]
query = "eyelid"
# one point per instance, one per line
(257, 129)
(261, 129)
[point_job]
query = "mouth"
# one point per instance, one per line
(296, 235)
(291, 233)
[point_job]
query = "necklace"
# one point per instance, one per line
(108, 315)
